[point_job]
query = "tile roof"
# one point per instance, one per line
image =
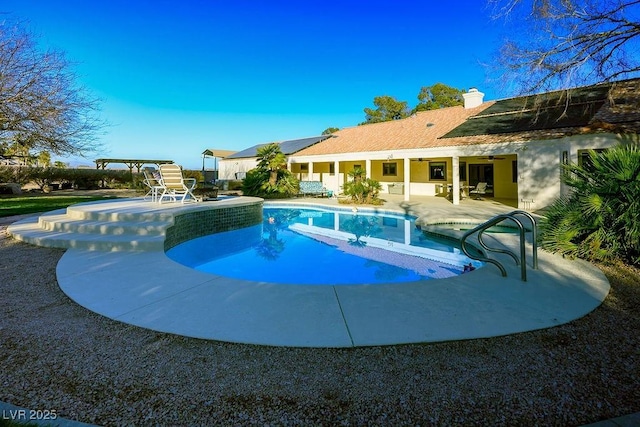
(607, 107)
(421, 130)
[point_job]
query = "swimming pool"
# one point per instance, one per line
(318, 246)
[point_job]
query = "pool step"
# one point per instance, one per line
(64, 223)
(116, 211)
(115, 226)
(31, 232)
(127, 224)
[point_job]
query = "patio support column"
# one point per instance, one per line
(367, 168)
(310, 178)
(455, 163)
(407, 177)
(336, 176)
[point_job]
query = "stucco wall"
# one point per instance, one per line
(228, 168)
(539, 165)
(377, 171)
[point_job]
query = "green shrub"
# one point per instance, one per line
(235, 185)
(270, 179)
(599, 220)
(77, 178)
(18, 174)
(362, 190)
(195, 174)
(88, 179)
(256, 183)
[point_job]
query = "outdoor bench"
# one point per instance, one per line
(312, 188)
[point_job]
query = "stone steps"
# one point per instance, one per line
(121, 211)
(65, 223)
(130, 224)
(98, 226)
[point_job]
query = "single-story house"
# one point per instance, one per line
(515, 145)
(236, 165)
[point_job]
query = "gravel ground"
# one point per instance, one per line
(56, 355)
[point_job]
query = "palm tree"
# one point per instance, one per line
(270, 178)
(357, 174)
(600, 219)
(362, 190)
(271, 158)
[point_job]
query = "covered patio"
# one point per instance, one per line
(411, 175)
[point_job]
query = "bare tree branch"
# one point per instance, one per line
(557, 44)
(41, 105)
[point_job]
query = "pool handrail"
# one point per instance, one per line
(480, 229)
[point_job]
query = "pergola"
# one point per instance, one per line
(215, 154)
(131, 163)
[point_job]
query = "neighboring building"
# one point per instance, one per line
(515, 145)
(17, 160)
(216, 155)
(236, 165)
(4, 161)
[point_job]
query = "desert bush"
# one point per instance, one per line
(17, 174)
(599, 220)
(362, 190)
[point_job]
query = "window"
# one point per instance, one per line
(304, 167)
(437, 171)
(514, 171)
(584, 159)
(332, 168)
(389, 169)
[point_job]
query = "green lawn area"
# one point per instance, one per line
(41, 203)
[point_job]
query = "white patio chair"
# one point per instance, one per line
(480, 190)
(153, 183)
(175, 185)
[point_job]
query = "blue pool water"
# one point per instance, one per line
(323, 247)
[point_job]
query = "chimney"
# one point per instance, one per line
(473, 98)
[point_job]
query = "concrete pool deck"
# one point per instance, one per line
(147, 289)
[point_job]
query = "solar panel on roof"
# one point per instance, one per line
(287, 147)
(552, 110)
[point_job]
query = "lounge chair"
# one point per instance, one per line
(153, 181)
(480, 190)
(174, 185)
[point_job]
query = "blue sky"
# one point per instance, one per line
(176, 78)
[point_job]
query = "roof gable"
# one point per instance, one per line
(420, 130)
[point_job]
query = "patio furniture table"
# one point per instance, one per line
(464, 191)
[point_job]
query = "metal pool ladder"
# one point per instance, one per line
(521, 260)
